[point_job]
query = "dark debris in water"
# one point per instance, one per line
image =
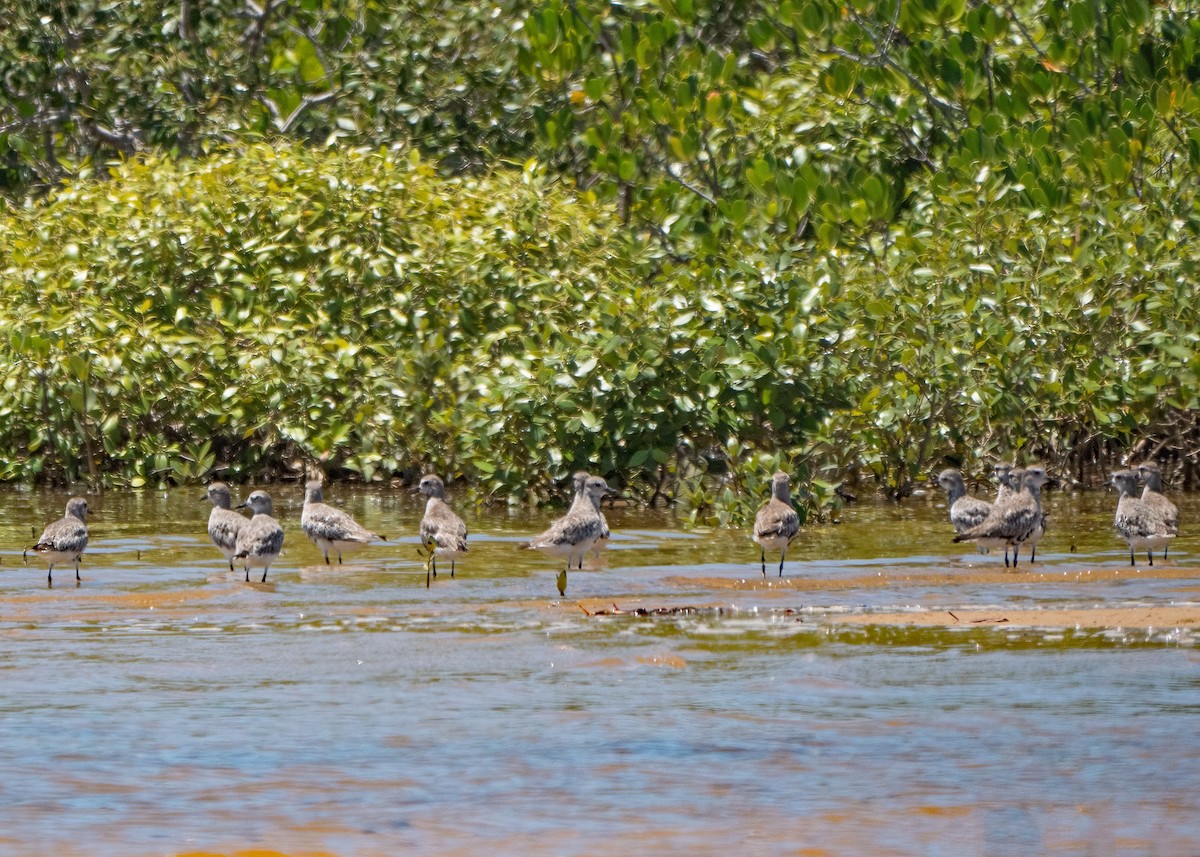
(662, 611)
(685, 610)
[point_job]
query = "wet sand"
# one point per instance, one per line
(1099, 617)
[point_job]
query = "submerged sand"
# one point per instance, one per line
(1184, 614)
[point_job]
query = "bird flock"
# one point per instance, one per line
(1014, 520)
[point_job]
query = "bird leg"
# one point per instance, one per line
(452, 566)
(1150, 554)
(763, 557)
(782, 554)
(264, 577)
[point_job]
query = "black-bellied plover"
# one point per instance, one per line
(777, 522)
(330, 528)
(1137, 522)
(443, 533)
(1001, 470)
(576, 532)
(1152, 495)
(64, 540)
(223, 522)
(1016, 518)
(580, 480)
(1015, 478)
(965, 511)
(260, 540)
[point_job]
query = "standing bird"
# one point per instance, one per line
(1001, 470)
(1137, 522)
(443, 533)
(576, 532)
(330, 528)
(1015, 478)
(605, 532)
(1152, 495)
(777, 522)
(223, 522)
(965, 511)
(260, 540)
(64, 540)
(1016, 518)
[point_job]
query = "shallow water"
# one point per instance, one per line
(165, 706)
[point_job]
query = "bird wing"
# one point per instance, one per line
(259, 537)
(968, 512)
(569, 530)
(320, 521)
(223, 528)
(776, 520)
(68, 534)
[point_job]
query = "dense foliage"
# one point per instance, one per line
(659, 239)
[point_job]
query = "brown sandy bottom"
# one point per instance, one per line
(859, 827)
(1140, 616)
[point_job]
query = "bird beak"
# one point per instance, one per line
(242, 506)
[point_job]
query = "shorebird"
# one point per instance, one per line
(1150, 474)
(223, 522)
(965, 511)
(64, 540)
(576, 532)
(1001, 470)
(1137, 522)
(260, 540)
(1014, 478)
(1016, 518)
(605, 532)
(330, 528)
(443, 533)
(776, 523)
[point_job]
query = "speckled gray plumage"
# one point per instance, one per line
(965, 511)
(260, 540)
(1002, 472)
(443, 533)
(1015, 478)
(223, 522)
(1014, 519)
(1152, 495)
(64, 540)
(1137, 522)
(601, 542)
(331, 528)
(576, 532)
(777, 522)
